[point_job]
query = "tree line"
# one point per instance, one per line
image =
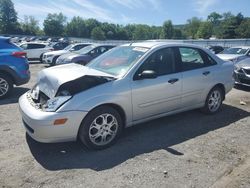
(224, 26)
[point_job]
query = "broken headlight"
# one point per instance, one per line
(53, 104)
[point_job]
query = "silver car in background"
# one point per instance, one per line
(125, 86)
(242, 72)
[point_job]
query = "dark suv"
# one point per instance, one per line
(14, 67)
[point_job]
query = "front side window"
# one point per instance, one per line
(161, 61)
(191, 59)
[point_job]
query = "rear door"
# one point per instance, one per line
(198, 72)
(159, 95)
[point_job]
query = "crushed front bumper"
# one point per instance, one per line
(40, 125)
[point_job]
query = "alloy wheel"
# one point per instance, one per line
(103, 129)
(214, 101)
(4, 87)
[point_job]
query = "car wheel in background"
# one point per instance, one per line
(54, 61)
(6, 85)
(213, 101)
(101, 128)
(41, 58)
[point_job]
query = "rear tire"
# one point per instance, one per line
(101, 128)
(213, 101)
(6, 85)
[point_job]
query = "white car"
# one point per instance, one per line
(235, 54)
(51, 57)
(35, 50)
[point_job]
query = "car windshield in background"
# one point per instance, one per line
(68, 47)
(239, 51)
(119, 60)
(86, 49)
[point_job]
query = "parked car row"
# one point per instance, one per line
(84, 55)
(51, 57)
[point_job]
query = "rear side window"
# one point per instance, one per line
(78, 47)
(161, 61)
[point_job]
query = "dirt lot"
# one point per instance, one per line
(185, 150)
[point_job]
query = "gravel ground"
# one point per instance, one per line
(185, 150)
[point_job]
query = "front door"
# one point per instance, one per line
(158, 95)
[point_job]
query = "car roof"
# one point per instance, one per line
(4, 38)
(97, 45)
(35, 43)
(154, 44)
(243, 47)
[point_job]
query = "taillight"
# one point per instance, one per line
(19, 54)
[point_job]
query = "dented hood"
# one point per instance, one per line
(73, 76)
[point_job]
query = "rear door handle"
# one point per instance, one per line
(206, 73)
(172, 81)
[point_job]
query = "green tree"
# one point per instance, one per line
(8, 17)
(214, 18)
(141, 32)
(230, 24)
(130, 28)
(54, 24)
(192, 27)
(30, 26)
(76, 28)
(97, 34)
(243, 31)
(120, 33)
(178, 34)
(205, 30)
(167, 30)
(90, 25)
(156, 32)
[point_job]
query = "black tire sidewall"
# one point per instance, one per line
(54, 60)
(10, 83)
(83, 133)
(41, 58)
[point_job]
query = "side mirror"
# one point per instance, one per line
(147, 74)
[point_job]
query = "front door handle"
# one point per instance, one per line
(206, 73)
(172, 81)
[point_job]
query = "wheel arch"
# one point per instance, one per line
(9, 74)
(223, 89)
(117, 107)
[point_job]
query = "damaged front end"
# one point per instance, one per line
(41, 96)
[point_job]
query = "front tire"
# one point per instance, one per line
(6, 85)
(101, 128)
(213, 101)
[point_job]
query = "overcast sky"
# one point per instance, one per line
(152, 12)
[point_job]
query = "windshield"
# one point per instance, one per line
(68, 47)
(119, 60)
(86, 49)
(237, 51)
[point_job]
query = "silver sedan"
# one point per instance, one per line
(128, 85)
